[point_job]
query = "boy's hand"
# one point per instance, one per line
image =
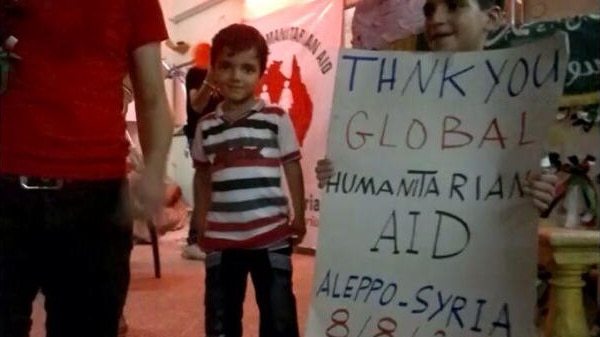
(544, 187)
(210, 76)
(324, 171)
(298, 230)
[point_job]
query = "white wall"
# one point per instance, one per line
(256, 8)
(200, 27)
(204, 25)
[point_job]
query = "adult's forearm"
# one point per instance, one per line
(152, 110)
(155, 128)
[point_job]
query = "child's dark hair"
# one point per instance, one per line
(429, 8)
(485, 4)
(237, 38)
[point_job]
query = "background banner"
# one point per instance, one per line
(304, 41)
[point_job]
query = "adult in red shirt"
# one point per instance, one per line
(65, 224)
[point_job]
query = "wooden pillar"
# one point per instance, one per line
(566, 317)
(568, 254)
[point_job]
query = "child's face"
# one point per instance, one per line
(458, 25)
(237, 75)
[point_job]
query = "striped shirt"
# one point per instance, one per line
(248, 206)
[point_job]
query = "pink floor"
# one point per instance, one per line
(172, 306)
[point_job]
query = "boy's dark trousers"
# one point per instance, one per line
(73, 243)
(226, 276)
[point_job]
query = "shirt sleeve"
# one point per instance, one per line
(199, 158)
(288, 144)
(148, 23)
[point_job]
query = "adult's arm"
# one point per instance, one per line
(155, 125)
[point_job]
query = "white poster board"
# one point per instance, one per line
(425, 230)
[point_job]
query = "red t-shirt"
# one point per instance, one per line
(61, 115)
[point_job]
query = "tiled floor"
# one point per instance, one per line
(172, 306)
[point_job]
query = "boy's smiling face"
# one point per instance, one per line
(237, 75)
(458, 25)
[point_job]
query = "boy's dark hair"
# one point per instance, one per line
(237, 38)
(485, 4)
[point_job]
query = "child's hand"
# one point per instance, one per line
(210, 75)
(324, 171)
(298, 230)
(544, 187)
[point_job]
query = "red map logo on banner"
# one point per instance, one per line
(288, 93)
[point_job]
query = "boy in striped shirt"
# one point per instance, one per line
(241, 210)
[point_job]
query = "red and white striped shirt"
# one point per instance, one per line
(248, 208)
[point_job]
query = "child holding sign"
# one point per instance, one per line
(463, 25)
(241, 210)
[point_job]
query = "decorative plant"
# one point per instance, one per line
(9, 11)
(578, 179)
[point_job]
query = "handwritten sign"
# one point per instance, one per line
(425, 229)
(583, 70)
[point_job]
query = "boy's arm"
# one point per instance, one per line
(295, 180)
(200, 96)
(202, 191)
